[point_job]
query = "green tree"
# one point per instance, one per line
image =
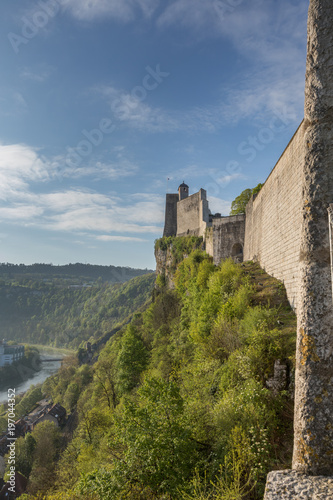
(238, 206)
(152, 445)
(131, 361)
(45, 454)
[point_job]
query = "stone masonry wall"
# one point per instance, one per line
(192, 215)
(226, 233)
(170, 226)
(274, 219)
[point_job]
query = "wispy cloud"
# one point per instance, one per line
(121, 10)
(38, 74)
(97, 170)
(226, 179)
(217, 205)
(20, 165)
(125, 239)
(270, 35)
(135, 113)
(139, 115)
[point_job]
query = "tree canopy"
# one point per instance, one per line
(238, 206)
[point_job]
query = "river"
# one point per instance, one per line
(47, 369)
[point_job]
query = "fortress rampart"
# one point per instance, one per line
(274, 219)
(193, 214)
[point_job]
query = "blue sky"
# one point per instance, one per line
(101, 101)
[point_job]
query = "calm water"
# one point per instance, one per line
(47, 369)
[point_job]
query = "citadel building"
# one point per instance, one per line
(189, 215)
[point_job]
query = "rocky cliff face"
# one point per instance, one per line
(169, 252)
(165, 266)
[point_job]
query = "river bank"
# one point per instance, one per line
(33, 377)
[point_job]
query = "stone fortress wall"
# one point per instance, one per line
(225, 238)
(193, 215)
(274, 219)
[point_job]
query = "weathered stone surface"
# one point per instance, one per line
(170, 225)
(274, 218)
(226, 239)
(193, 214)
(279, 381)
(313, 443)
(164, 261)
(292, 485)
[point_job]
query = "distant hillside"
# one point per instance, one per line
(69, 274)
(39, 312)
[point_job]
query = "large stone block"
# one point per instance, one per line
(292, 485)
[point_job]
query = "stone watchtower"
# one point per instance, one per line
(183, 191)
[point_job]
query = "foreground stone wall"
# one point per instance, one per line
(274, 218)
(313, 442)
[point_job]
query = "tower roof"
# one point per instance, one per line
(183, 185)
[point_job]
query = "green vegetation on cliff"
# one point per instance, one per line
(183, 402)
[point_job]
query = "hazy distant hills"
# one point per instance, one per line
(63, 306)
(68, 274)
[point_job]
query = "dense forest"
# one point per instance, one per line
(185, 402)
(36, 312)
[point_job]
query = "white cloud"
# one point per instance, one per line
(20, 212)
(125, 239)
(121, 10)
(217, 205)
(19, 165)
(138, 114)
(194, 14)
(22, 169)
(226, 179)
